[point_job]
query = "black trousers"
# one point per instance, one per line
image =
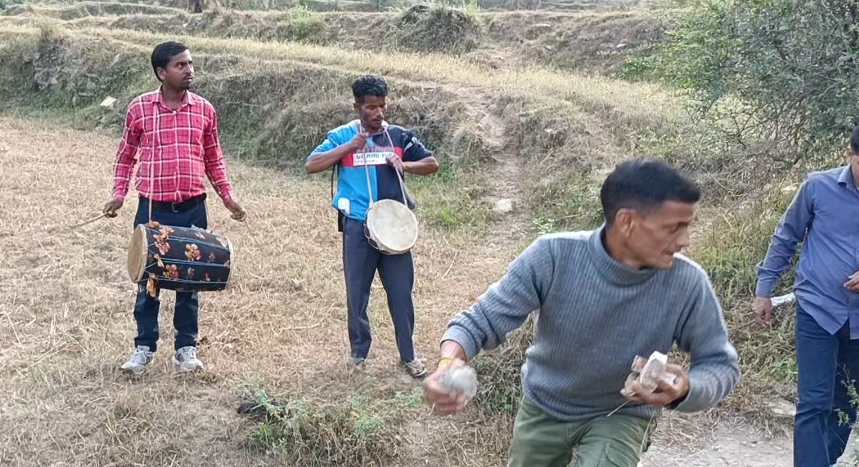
(146, 307)
(360, 263)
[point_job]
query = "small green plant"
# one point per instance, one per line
(304, 25)
(544, 225)
(299, 11)
(844, 418)
(363, 431)
(471, 6)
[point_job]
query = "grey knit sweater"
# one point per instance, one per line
(595, 314)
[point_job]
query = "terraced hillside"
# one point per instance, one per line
(520, 106)
(591, 42)
(379, 5)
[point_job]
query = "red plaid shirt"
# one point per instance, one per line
(178, 150)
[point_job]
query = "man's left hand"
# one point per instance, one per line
(853, 282)
(666, 392)
(396, 163)
(239, 213)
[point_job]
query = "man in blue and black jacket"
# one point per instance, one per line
(366, 153)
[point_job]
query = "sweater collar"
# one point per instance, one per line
(613, 270)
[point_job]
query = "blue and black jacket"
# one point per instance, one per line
(352, 197)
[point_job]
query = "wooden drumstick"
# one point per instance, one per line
(88, 222)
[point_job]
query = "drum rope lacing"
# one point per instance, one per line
(157, 124)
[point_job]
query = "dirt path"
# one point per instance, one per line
(730, 443)
(65, 306)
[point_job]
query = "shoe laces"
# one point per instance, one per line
(189, 353)
(139, 355)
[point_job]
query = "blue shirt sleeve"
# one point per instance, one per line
(331, 142)
(413, 149)
(791, 230)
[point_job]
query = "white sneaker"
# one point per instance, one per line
(186, 359)
(139, 360)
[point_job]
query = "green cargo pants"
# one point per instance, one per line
(540, 440)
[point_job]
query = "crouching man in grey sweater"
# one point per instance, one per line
(603, 297)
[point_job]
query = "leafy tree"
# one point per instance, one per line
(781, 71)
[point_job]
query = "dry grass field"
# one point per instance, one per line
(278, 332)
(281, 327)
(519, 105)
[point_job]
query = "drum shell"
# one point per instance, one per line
(180, 258)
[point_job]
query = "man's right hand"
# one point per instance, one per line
(359, 141)
(112, 206)
(763, 308)
(441, 399)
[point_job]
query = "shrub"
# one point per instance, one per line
(781, 71)
(428, 29)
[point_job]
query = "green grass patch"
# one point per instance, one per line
(362, 431)
(454, 199)
(736, 240)
(729, 249)
(566, 201)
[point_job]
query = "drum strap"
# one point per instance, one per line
(335, 175)
(155, 146)
(367, 172)
(370, 186)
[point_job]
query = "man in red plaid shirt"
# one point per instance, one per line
(175, 133)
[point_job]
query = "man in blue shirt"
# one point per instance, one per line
(825, 215)
(368, 153)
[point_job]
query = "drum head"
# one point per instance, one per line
(393, 225)
(137, 254)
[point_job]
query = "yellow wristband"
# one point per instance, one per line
(445, 359)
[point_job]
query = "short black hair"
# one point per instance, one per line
(163, 53)
(369, 85)
(854, 140)
(642, 184)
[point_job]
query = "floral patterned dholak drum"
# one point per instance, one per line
(179, 258)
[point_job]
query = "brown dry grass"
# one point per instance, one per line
(66, 306)
(633, 104)
(67, 324)
(563, 129)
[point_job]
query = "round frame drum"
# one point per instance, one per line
(391, 227)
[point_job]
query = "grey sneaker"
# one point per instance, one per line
(139, 360)
(415, 368)
(356, 364)
(186, 359)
